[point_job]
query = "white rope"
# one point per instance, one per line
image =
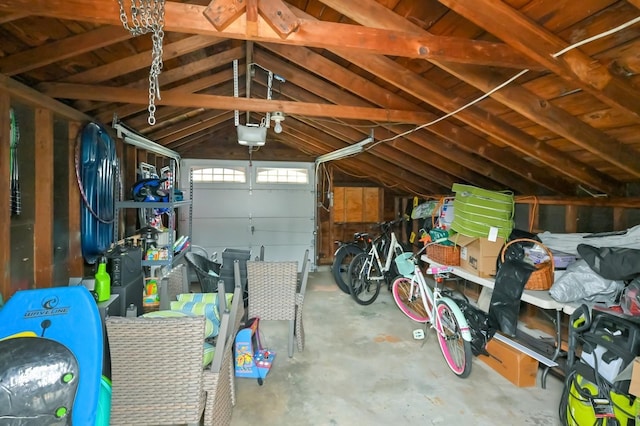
(509, 81)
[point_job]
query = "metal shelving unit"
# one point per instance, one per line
(172, 207)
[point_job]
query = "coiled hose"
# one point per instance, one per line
(96, 171)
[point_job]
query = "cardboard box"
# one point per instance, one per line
(515, 366)
(634, 387)
(478, 255)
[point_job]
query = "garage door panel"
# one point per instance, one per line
(221, 233)
(297, 203)
(282, 231)
(211, 203)
(284, 253)
(278, 216)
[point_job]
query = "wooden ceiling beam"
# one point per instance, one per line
(456, 159)
(556, 119)
(457, 135)
(517, 30)
(369, 12)
(484, 122)
(424, 167)
(190, 18)
(213, 119)
(50, 53)
(221, 13)
(178, 98)
(208, 119)
(375, 167)
(183, 72)
(163, 114)
(13, 17)
(328, 35)
(141, 60)
(278, 16)
(172, 75)
(32, 97)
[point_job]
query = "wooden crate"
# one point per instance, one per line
(517, 367)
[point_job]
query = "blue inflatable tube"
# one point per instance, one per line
(97, 181)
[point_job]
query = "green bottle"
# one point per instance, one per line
(103, 281)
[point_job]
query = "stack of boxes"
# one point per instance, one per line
(483, 221)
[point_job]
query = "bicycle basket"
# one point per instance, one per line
(405, 265)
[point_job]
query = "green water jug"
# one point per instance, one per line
(103, 281)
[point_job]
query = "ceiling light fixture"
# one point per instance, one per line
(252, 135)
(277, 117)
(347, 151)
(132, 137)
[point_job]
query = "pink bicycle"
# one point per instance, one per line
(421, 303)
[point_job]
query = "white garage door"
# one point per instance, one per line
(242, 205)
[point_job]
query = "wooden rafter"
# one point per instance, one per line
(178, 98)
(517, 30)
(278, 16)
(369, 12)
(188, 18)
(465, 143)
(221, 13)
(53, 52)
(141, 60)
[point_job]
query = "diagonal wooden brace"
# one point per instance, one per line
(221, 13)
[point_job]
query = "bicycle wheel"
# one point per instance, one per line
(456, 350)
(363, 290)
(340, 267)
(407, 295)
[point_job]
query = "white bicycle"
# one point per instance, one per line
(418, 301)
(366, 271)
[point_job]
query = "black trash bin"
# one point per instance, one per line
(208, 271)
(227, 272)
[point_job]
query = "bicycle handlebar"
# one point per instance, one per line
(387, 226)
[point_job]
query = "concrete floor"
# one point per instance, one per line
(361, 366)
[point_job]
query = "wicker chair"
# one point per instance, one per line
(157, 372)
(302, 288)
(272, 293)
(173, 283)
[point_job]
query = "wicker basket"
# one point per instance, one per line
(542, 277)
(445, 255)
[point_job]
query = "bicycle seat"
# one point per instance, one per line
(360, 235)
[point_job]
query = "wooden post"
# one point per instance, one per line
(620, 218)
(75, 263)
(43, 226)
(571, 219)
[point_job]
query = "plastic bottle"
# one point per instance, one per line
(103, 281)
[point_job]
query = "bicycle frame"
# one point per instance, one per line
(394, 249)
(432, 297)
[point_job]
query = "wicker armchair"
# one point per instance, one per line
(272, 293)
(156, 370)
(157, 374)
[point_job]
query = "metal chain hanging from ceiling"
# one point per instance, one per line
(148, 16)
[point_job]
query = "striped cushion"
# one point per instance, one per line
(203, 297)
